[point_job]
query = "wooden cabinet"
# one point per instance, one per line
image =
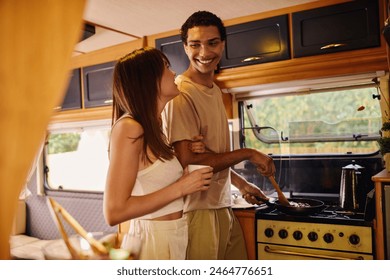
(256, 42)
(382, 215)
(348, 26)
(309, 66)
(246, 218)
(98, 84)
(72, 98)
(173, 48)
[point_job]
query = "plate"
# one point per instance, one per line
(243, 206)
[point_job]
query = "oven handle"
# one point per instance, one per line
(283, 252)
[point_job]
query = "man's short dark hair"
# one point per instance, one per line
(202, 18)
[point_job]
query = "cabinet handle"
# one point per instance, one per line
(319, 256)
(57, 108)
(252, 58)
(332, 46)
(108, 101)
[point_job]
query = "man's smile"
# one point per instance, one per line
(204, 61)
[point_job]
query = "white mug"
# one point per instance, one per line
(193, 167)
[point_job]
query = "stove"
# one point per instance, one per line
(330, 234)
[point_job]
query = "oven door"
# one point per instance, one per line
(280, 252)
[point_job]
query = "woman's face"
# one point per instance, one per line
(168, 88)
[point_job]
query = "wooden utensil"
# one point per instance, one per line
(75, 255)
(96, 246)
(282, 199)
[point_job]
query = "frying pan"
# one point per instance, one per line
(314, 206)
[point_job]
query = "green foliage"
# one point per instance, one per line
(384, 145)
(317, 116)
(63, 142)
(386, 126)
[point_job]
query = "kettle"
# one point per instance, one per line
(351, 191)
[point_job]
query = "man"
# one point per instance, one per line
(214, 232)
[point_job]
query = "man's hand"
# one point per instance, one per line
(249, 193)
(197, 146)
(264, 163)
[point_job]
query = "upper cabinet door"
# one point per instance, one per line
(72, 98)
(173, 48)
(347, 26)
(98, 84)
(256, 42)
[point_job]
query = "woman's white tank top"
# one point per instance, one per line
(155, 177)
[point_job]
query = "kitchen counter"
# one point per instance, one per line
(381, 179)
(246, 217)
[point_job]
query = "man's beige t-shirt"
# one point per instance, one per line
(199, 110)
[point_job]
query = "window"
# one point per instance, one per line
(332, 121)
(312, 129)
(76, 156)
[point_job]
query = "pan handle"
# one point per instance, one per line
(266, 201)
(318, 256)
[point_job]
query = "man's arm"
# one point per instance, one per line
(221, 161)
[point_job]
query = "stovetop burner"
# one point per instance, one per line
(332, 214)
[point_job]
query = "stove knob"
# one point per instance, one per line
(297, 235)
(328, 238)
(269, 232)
(354, 239)
(313, 236)
(283, 233)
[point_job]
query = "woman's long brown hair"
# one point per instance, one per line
(136, 86)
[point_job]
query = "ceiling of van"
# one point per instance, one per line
(119, 21)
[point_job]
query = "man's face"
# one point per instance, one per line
(204, 48)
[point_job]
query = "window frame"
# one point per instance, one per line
(243, 96)
(70, 127)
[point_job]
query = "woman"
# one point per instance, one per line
(145, 181)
